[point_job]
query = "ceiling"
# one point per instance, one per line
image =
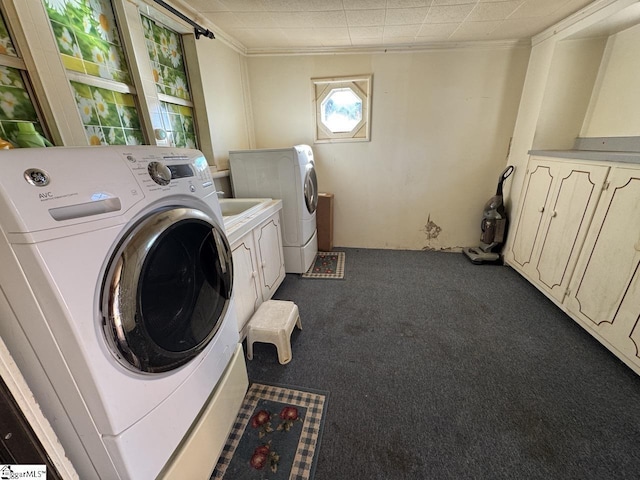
(261, 26)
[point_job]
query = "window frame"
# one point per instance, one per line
(360, 85)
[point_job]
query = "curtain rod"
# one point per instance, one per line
(197, 29)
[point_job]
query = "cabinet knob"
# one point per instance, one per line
(541, 209)
(253, 274)
(264, 264)
(554, 214)
(637, 246)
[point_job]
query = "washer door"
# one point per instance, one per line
(167, 290)
(311, 188)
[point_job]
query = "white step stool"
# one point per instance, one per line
(273, 322)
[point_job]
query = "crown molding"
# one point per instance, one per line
(382, 49)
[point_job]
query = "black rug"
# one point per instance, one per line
(276, 435)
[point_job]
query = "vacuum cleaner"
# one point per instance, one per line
(493, 225)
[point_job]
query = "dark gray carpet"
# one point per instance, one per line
(440, 369)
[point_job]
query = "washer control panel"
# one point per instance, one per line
(177, 170)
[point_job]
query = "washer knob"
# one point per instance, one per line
(159, 173)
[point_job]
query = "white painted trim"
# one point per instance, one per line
(592, 13)
(427, 47)
(31, 410)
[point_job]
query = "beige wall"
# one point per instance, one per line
(615, 105)
(441, 125)
(221, 72)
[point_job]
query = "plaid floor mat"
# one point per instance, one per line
(276, 435)
(326, 265)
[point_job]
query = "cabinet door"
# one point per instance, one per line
(246, 292)
(558, 204)
(567, 220)
(536, 193)
(270, 256)
(605, 290)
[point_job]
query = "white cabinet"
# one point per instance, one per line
(559, 199)
(605, 290)
(578, 240)
(258, 262)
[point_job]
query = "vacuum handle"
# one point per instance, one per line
(503, 176)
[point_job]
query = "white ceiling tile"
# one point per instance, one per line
(292, 19)
(449, 13)
(398, 40)
(243, 5)
(485, 12)
(474, 31)
(281, 5)
(329, 19)
(401, 30)
(364, 4)
(406, 16)
(316, 6)
(518, 28)
(407, 3)
(437, 29)
(256, 20)
(537, 8)
(366, 32)
(439, 3)
(205, 6)
(361, 18)
(225, 20)
(259, 24)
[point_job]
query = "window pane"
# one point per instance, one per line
(15, 104)
(177, 121)
(110, 118)
(87, 37)
(167, 59)
(6, 45)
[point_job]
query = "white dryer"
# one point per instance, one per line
(115, 297)
(288, 174)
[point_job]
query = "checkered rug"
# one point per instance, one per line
(326, 265)
(276, 435)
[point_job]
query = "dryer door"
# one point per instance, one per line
(311, 188)
(167, 290)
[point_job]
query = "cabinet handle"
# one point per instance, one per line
(553, 214)
(541, 209)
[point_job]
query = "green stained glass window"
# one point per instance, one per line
(87, 37)
(6, 45)
(110, 118)
(177, 121)
(167, 59)
(89, 44)
(15, 104)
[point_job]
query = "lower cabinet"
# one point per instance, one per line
(258, 261)
(604, 294)
(558, 203)
(590, 264)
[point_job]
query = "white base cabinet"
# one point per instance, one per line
(581, 246)
(258, 262)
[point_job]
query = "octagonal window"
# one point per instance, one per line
(341, 110)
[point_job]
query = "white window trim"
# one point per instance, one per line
(361, 86)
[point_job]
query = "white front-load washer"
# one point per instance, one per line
(288, 174)
(115, 297)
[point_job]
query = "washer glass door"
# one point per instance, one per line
(167, 290)
(311, 188)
